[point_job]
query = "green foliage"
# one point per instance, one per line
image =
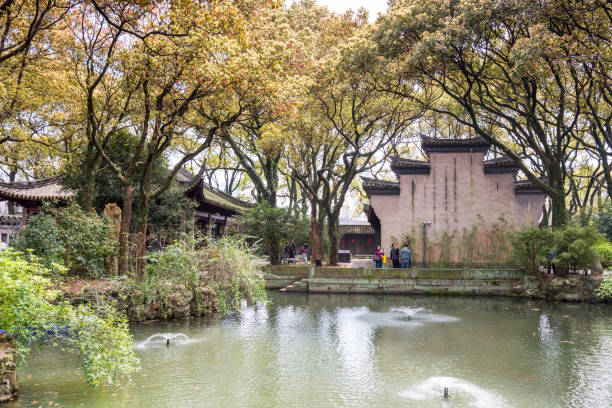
(604, 290)
(468, 245)
(174, 264)
(529, 247)
(168, 210)
(445, 245)
(604, 250)
(224, 264)
(273, 226)
(69, 236)
(575, 248)
(604, 221)
(227, 266)
(30, 311)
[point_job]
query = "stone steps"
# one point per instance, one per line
(298, 286)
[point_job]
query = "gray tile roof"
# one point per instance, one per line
(36, 190)
(6, 219)
(431, 144)
(504, 164)
(380, 187)
(356, 229)
(408, 166)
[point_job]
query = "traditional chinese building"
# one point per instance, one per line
(357, 236)
(214, 209)
(456, 190)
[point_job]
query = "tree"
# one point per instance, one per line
(507, 65)
(273, 226)
(366, 125)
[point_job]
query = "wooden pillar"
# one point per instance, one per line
(210, 225)
(24, 217)
(225, 226)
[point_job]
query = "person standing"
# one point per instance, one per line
(291, 251)
(395, 255)
(305, 253)
(405, 255)
(551, 263)
(378, 257)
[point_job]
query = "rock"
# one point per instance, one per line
(204, 301)
(8, 373)
(571, 297)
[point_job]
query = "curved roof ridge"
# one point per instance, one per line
(433, 144)
(31, 183)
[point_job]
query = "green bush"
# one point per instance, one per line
(529, 247)
(69, 236)
(575, 248)
(273, 226)
(224, 264)
(30, 312)
(604, 291)
(227, 266)
(604, 221)
(604, 250)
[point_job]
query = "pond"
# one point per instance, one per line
(356, 351)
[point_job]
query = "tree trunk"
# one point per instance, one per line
(124, 231)
(332, 231)
(274, 248)
(557, 199)
(315, 231)
(88, 192)
(141, 247)
(11, 204)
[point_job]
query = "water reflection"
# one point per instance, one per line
(357, 351)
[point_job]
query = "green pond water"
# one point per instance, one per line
(356, 351)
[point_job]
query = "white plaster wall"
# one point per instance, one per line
(457, 194)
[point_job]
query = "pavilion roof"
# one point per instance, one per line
(209, 194)
(36, 190)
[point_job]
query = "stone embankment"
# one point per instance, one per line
(466, 281)
(172, 301)
(8, 373)
(574, 288)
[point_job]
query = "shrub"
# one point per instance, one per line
(575, 248)
(529, 247)
(69, 236)
(227, 266)
(604, 221)
(604, 250)
(30, 312)
(604, 291)
(224, 264)
(273, 226)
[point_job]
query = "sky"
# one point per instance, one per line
(340, 6)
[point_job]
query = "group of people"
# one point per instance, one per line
(290, 252)
(399, 258)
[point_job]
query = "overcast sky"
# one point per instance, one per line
(340, 6)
